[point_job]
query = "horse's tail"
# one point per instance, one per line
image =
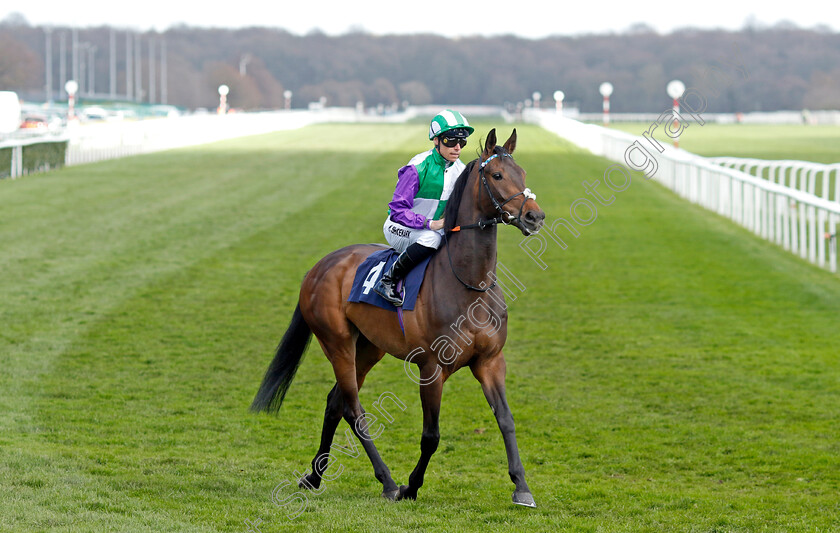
(282, 369)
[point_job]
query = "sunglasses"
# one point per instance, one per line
(450, 142)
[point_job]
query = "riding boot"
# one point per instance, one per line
(387, 285)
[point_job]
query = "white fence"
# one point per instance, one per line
(814, 178)
(88, 143)
(16, 147)
(798, 220)
(110, 140)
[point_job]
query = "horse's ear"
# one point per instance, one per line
(510, 144)
(490, 143)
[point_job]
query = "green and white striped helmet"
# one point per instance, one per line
(448, 120)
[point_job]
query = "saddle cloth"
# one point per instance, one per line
(371, 270)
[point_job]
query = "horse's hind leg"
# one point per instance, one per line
(332, 416)
(367, 355)
(345, 374)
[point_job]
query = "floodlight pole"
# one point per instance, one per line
(49, 61)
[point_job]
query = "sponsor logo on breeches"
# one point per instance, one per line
(400, 232)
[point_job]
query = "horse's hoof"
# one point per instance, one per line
(525, 499)
(406, 493)
(391, 494)
(307, 483)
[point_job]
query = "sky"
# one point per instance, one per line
(525, 18)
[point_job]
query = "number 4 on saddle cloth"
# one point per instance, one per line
(369, 272)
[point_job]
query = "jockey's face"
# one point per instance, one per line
(451, 154)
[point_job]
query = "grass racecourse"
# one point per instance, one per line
(668, 371)
(820, 144)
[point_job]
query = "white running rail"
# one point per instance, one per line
(803, 220)
(814, 178)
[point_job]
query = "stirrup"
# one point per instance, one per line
(388, 290)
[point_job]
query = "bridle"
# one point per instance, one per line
(504, 217)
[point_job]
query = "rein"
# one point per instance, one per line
(481, 224)
(452, 267)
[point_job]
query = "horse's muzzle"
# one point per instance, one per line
(531, 221)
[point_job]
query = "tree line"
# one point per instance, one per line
(768, 69)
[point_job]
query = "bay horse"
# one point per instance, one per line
(356, 336)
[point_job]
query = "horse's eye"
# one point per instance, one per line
(497, 175)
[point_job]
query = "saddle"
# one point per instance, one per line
(372, 268)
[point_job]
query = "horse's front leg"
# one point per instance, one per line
(491, 374)
(431, 391)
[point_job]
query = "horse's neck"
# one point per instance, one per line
(473, 251)
(467, 258)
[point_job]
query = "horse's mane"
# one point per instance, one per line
(450, 213)
(454, 202)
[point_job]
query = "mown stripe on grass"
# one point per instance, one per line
(668, 371)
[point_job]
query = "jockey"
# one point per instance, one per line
(414, 225)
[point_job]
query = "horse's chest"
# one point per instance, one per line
(459, 345)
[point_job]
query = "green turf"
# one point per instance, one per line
(820, 144)
(668, 371)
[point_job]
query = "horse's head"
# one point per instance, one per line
(504, 181)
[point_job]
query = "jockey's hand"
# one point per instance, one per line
(436, 224)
